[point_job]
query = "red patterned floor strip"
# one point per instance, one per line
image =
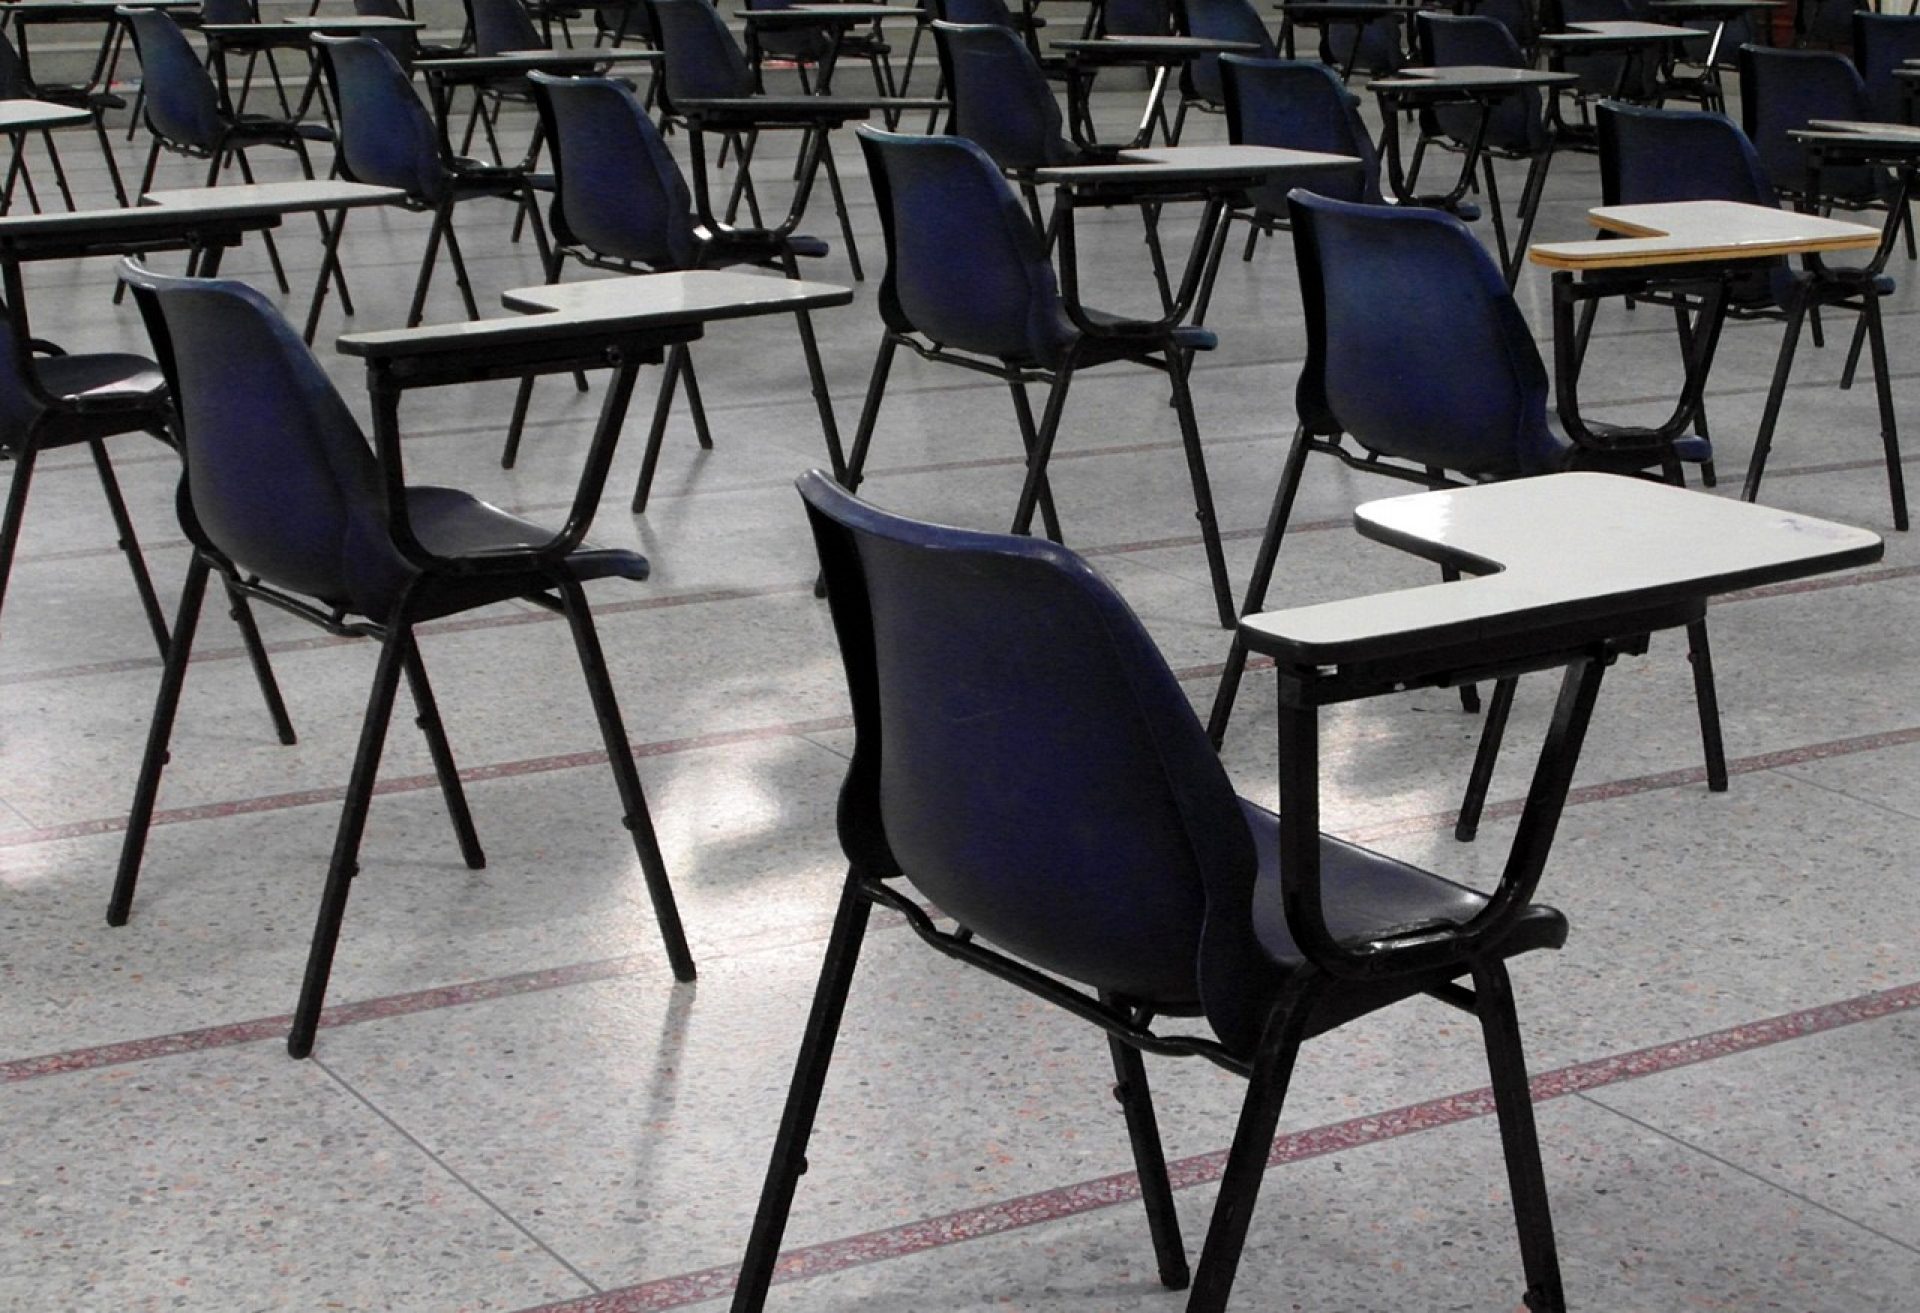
(1105, 1192)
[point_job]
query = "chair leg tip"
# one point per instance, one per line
(1178, 1278)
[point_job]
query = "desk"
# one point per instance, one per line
(1329, 13)
(1631, 557)
(319, 196)
(1160, 53)
(20, 117)
(1633, 41)
(835, 19)
(444, 75)
(253, 39)
(1712, 237)
(712, 295)
(1484, 87)
(1846, 141)
(1716, 14)
(1212, 175)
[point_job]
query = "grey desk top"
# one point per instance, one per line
(1470, 77)
(294, 197)
(1191, 164)
(1619, 545)
(32, 115)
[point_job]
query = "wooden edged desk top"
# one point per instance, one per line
(33, 115)
(1553, 550)
(295, 197)
(707, 295)
(606, 307)
(1683, 232)
(1899, 139)
(1469, 77)
(1191, 164)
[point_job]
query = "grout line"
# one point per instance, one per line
(451, 1171)
(1083, 1197)
(1748, 1172)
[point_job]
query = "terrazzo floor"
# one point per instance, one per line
(513, 1107)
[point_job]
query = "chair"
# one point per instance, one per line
(1881, 44)
(703, 62)
(403, 44)
(284, 499)
(1298, 104)
(1630, 75)
(18, 83)
(1781, 90)
(1515, 126)
(187, 114)
(1653, 155)
(387, 138)
(621, 204)
(1119, 878)
(499, 26)
(1002, 103)
(968, 283)
(1417, 352)
(1200, 81)
(264, 41)
(812, 46)
(15, 84)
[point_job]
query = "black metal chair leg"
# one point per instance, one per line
(691, 381)
(1023, 415)
(1584, 333)
(1858, 341)
(1257, 585)
(113, 166)
(273, 250)
(822, 397)
(1211, 271)
(1513, 1101)
(1043, 447)
(840, 205)
(159, 734)
(460, 271)
(441, 218)
(242, 613)
(517, 425)
(1883, 391)
(1776, 393)
(606, 710)
(1252, 1142)
(345, 862)
(870, 412)
(427, 717)
(1683, 321)
(1700, 656)
(59, 170)
(1469, 693)
(331, 233)
(657, 434)
(1529, 210)
(23, 463)
(1485, 758)
(1202, 486)
(129, 544)
(1150, 1161)
(789, 1159)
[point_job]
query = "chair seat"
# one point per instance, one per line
(452, 523)
(1368, 895)
(1120, 338)
(754, 245)
(102, 381)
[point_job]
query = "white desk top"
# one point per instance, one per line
(1470, 77)
(1554, 549)
(1621, 30)
(32, 115)
(1192, 163)
(294, 197)
(1681, 232)
(706, 294)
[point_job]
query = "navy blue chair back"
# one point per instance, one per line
(1300, 104)
(1881, 44)
(1022, 753)
(1781, 90)
(402, 44)
(1653, 155)
(975, 12)
(703, 61)
(1516, 16)
(1414, 344)
(618, 191)
(1221, 20)
(228, 11)
(1518, 123)
(1001, 98)
(279, 479)
(808, 44)
(18, 405)
(182, 105)
(387, 137)
(964, 264)
(503, 25)
(14, 82)
(1136, 18)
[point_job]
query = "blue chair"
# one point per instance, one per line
(1881, 44)
(1200, 79)
(404, 44)
(285, 500)
(1418, 354)
(17, 82)
(1515, 128)
(1298, 104)
(188, 115)
(499, 26)
(621, 204)
(968, 282)
(1120, 878)
(1781, 90)
(1633, 76)
(1653, 155)
(387, 138)
(703, 62)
